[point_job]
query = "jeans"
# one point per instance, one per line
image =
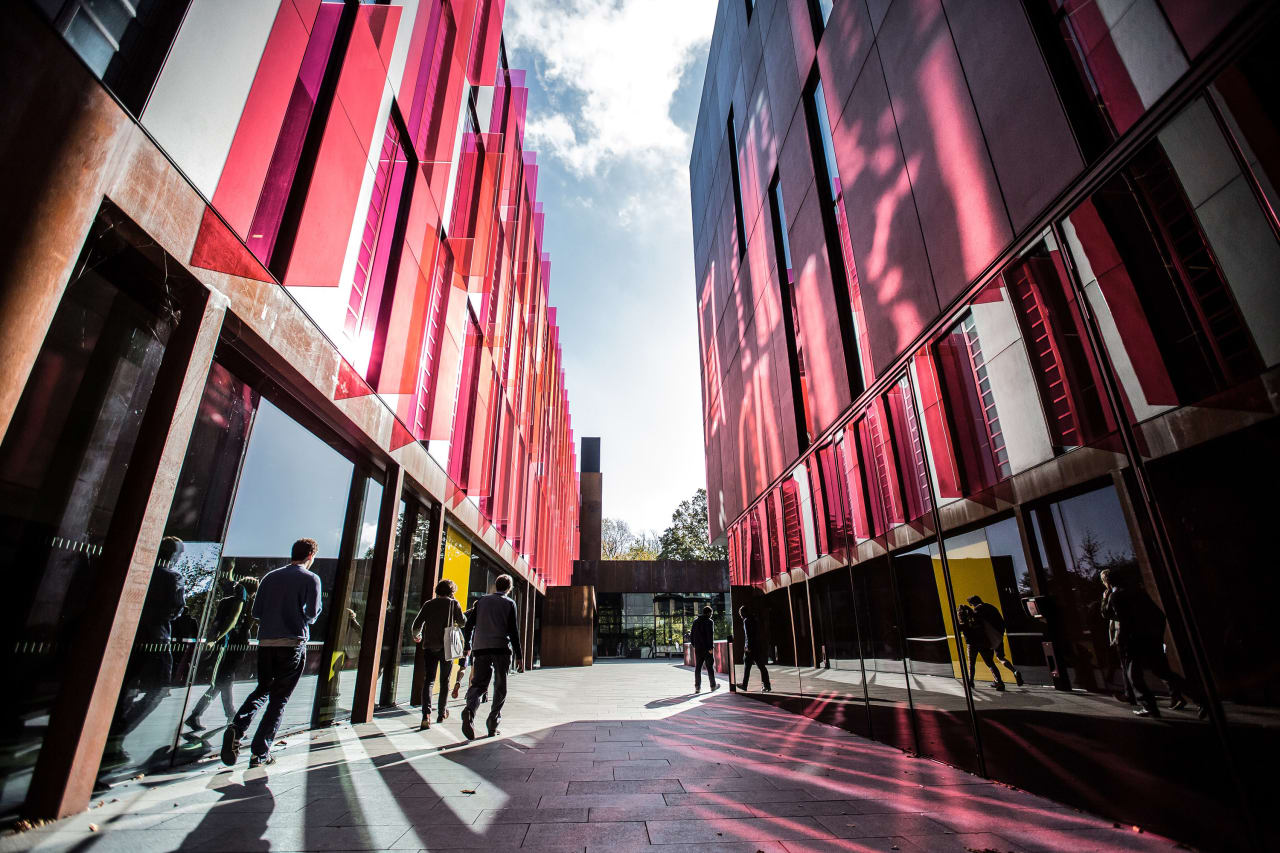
(486, 666)
(434, 661)
(1148, 656)
(279, 668)
(749, 657)
(703, 658)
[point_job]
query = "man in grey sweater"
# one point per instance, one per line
(493, 632)
(287, 604)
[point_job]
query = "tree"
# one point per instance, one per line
(616, 539)
(686, 537)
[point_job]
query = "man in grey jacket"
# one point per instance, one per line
(286, 606)
(493, 632)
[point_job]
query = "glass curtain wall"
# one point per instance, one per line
(62, 467)
(253, 480)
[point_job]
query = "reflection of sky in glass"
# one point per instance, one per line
(369, 524)
(293, 485)
(1096, 515)
(197, 565)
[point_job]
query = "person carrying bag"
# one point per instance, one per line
(438, 628)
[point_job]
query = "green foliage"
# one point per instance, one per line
(686, 537)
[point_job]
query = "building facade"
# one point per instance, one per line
(270, 270)
(989, 302)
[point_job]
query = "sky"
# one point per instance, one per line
(614, 90)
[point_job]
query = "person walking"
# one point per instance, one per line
(1139, 638)
(978, 640)
(753, 646)
(286, 606)
(435, 618)
(494, 634)
(992, 621)
(702, 638)
(231, 625)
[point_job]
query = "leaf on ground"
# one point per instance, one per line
(468, 790)
(93, 827)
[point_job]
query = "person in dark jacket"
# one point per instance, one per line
(149, 672)
(753, 651)
(702, 638)
(286, 606)
(436, 615)
(229, 643)
(991, 620)
(1138, 625)
(978, 640)
(493, 631)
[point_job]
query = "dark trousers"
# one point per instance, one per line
(279, 668)
(435, 660)
(749, 657)
(484, 667)
(703, 658)
(1142, 658)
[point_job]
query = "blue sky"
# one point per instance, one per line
(614, 90)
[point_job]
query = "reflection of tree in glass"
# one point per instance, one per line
(1089, 561)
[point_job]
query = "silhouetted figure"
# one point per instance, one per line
(437, 615)
(493, 631)
(286, 606)
(1113, 636)
(702, 638)
(232, 623)
(753, 652)
(989, 617)
(149, 672)
(1139, 638)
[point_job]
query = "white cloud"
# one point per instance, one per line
(625, 59)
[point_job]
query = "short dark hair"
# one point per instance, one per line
(975, 599)
(503, 583)
(304, 549)
(250, 583)
(707, 611)
(446, 587)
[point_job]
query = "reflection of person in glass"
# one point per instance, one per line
(982, 627)
(436, 616)
(753, 647)
(1139, 638)
(287, 604)
(150, 669)
(230, 641)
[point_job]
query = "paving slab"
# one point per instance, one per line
(643, 764)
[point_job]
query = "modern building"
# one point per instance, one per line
(271, 269)
(989, 302)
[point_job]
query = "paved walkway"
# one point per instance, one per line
(617, 757)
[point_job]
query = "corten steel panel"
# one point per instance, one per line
(652, 575)
(781, 75)
(843, 50)
(1026, 131)
(964, 218)
(817, 320)
(898, 298)
(1196, 23)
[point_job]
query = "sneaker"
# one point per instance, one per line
(1017, 679)
(766, 689)
(424, 725)
(442, 716)
(1147, 712)
(715, 687)
(193, 723)
(495, 732)
(230, 746)
(742, 687)
(261, 760)
(999, 686)
(468, 730)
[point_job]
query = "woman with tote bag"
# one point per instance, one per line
(438, 629)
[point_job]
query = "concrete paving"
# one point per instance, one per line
(621, 756)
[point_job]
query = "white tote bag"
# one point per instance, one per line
(453, 645)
